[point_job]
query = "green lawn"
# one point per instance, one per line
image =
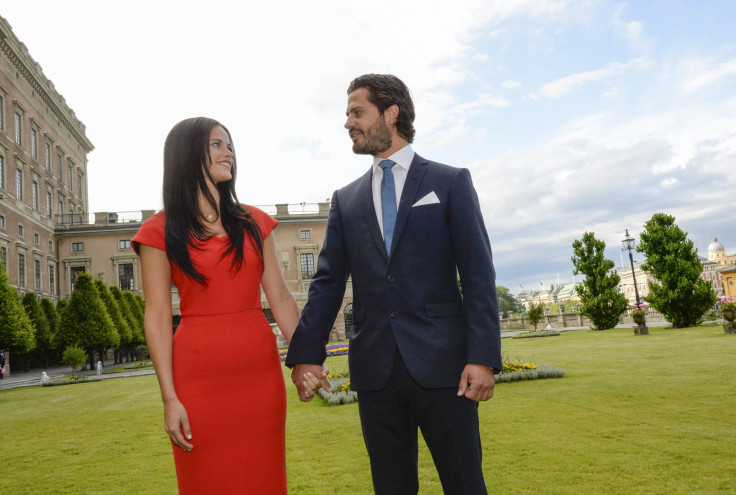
(649, 414)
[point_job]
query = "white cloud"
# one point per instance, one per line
(510, 84)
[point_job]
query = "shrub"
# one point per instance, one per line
(75, 357)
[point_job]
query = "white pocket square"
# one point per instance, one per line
(429, 199)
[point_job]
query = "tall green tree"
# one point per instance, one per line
(535, 313)
(16, 329)
(506, 301)
(600, 299)
(52, 318)
(113, 309)
(138, 336)
(44, 337)
(85, 321)
(681, 295)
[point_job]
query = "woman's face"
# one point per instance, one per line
(221, 155)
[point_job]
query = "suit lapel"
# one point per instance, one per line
(408, 197)
(365, 198)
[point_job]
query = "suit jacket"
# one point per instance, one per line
(411, 299)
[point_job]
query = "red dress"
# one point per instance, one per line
(227, 371)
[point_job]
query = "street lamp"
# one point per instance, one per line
(628, 243)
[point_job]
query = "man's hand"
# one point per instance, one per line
(308, 378)
(476, 383)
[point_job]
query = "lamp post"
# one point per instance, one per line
(628, 243)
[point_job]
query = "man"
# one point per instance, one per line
(421, 354)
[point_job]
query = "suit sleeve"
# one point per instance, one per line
(326, 292)
(477, 276)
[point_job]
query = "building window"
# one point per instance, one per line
(307, 264)
(60, 211)
(4, 257)
(2, 222)
(34, 195)
(21, 270)
(52, 280)
(59, 172)
(74, 273)
(305, 234)
(37, 274)
(34, 143)
(2, 172)
(79, 185)
(21, 230)
(47, 156)
(124, 244)
(69, 178)
(36, 238)
(48, 204)
(77, 247)
(18, 183)
(51, 247)
(2, 112)
(125, 276)
(18, 133)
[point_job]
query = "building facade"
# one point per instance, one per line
(43, 168)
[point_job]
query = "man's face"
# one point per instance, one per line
(366, 126)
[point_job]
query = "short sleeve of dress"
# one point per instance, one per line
(264, 221)
(152, 233)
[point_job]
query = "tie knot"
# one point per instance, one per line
(386, 164)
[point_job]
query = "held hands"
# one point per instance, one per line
(308, 378)
(176, 424)
(476, 383)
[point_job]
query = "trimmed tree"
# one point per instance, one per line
(136, 330)
(16, 329)
(52, 318)
(535, 313)
(681, 295)
(74, 357)
(85, 321)
(44, 337)
(599, 298)
(116, 316)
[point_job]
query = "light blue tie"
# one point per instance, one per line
(388, 202)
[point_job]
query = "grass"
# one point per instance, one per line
(649, 414)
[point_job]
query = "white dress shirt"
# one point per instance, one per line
(403, 159)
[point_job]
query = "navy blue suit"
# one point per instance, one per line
(407, 308)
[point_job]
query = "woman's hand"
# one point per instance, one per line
(176, 424)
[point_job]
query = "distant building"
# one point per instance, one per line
(43, 168)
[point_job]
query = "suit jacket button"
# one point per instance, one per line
(394, 314)
(391, 278)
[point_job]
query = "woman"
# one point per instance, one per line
(220, 377)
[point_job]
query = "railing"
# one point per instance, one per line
(99, 218)
(284, 209)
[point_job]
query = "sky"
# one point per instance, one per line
(572, 116)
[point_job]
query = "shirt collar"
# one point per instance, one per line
(403, 158)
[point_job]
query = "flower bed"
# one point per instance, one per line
(536, 333)
(139, 365)
(332, 350)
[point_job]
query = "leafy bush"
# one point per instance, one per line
(75, 357)
(142, 351)
(535, 313)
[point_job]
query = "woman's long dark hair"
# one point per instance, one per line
(186, 170)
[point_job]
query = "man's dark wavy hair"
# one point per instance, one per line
(186, 155)
(385, 90)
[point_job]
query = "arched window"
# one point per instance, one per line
(348, 315)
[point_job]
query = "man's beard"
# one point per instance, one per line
(376, 139)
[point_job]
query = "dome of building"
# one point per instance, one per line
(715, 245)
